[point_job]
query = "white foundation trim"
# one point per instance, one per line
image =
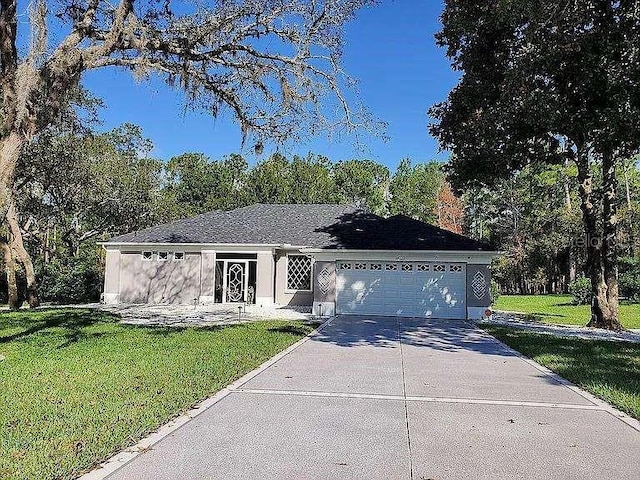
(111, 298)
(264, 301)
(475, 313)
(206, 299)
(324, 309)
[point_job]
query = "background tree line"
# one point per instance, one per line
(81, 187)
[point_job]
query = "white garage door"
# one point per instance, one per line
(411, 289)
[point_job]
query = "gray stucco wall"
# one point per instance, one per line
(112, 276)
(207, 274)
(478, 286)
(265, 272)
(155, 281)
(324, 288)
(284, 297)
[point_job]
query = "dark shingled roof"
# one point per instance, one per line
(319, 226)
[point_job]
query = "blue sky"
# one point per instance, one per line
(390, 50)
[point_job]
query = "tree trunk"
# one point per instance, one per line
(607, 299)
(10, 270)
(20, 254)
(629, 212)
(568, 204)
(604, 303)
(10, 149)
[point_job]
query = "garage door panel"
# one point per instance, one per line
(403, 289)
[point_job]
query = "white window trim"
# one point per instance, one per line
(286, 275)
(179, 259)
(150, 259)
(162, 259)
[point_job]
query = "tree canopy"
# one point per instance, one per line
(275, 67)
(547, 82)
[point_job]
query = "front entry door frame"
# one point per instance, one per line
(225, 277)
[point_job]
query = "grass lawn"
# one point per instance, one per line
(558, 309)
(76, 386)
(609, 370)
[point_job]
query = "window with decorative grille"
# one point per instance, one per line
(299, 272)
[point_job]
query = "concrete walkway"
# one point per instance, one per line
(521, 321)
(371, 398)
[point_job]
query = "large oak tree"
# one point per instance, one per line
(270, 63)
(547, 82)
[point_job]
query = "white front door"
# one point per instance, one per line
(235, 281)
(412, 289)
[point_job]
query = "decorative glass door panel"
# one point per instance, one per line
(236, 282)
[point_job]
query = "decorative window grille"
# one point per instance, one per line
(162, 256)
(345, 266)
(375, 266)
(455, 268)
(178, 255)
(324, 281)
(407, 267)
(422, 267)
(479, 285)
(147, 256)
(439, 268)
(299, 272)
(360, 266)
(391, 267)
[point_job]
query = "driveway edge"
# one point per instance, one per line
(607, 407)
(125, 456)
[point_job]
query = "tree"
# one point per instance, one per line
(414, 190)
(449, 209)
(547, 82)
(270, 181)
(363, 183)
(311, 180)
(271, 64)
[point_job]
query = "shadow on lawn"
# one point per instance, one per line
(291, 329)
(37, 321)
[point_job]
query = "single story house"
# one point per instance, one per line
(338, 259)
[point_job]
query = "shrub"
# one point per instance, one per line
(629, 279)
(72, 280)
(495, 291)
(580, 288)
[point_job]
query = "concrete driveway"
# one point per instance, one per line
(397, 399)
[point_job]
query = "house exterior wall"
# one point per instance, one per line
(289, 297)
(130, 279)
(207, 276)
(154, 281)
(112, 277)
(265, 278)
(478, 290)
(324, 289)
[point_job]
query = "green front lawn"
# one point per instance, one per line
(558, 309)
(609, 370)
(76, 386)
